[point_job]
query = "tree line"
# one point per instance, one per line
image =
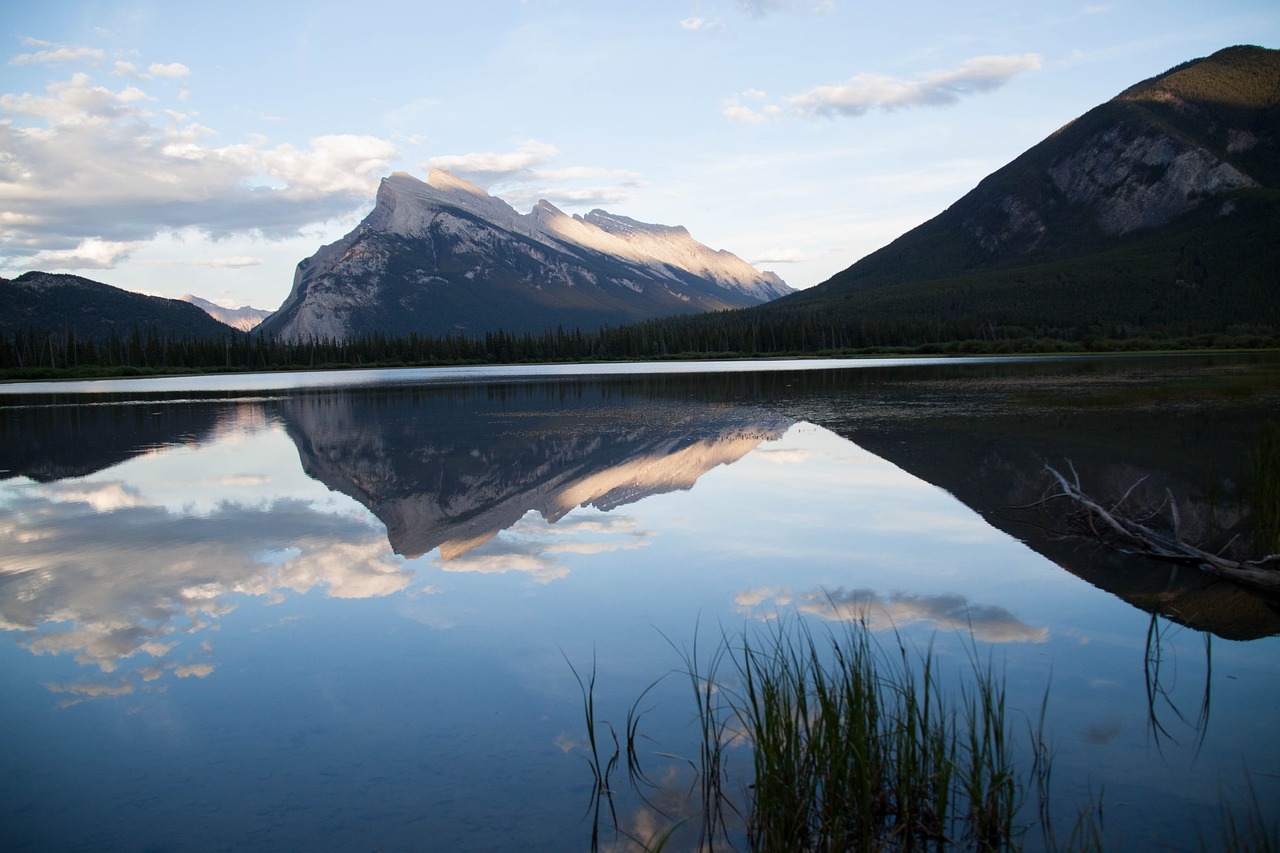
(741, 334)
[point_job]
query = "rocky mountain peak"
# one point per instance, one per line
(442, 255)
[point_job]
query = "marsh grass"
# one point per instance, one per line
(1247, 828)
(852, 747)
(855, 746)
(1265, 490)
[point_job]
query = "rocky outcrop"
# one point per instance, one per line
(1143, 181)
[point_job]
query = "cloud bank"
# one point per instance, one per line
(91, 170)
(524, 176)
(866, 92)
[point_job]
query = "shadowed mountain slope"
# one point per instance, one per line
(1158, 209)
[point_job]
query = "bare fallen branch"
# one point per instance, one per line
(1100, 522)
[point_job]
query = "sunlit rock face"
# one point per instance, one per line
(453, 472)
(443, 256)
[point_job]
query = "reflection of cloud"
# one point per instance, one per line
(110, 585)
(91, 690)
(989, 623)
(1100, 734)
(944, 525)
(194, 670)
(83, 692)
(239, 480)
(749, 598)
(103, 497)
(531, 545)
(782, 456)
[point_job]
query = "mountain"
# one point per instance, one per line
(444, 256)
(244, 318)
(92, 310)
(1156, 209)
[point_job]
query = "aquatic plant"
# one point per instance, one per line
(1265, 489)
(851, 747)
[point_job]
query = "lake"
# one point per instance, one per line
(349, 611)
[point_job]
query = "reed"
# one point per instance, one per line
(1265, 490)
(855, 747)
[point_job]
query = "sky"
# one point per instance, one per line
(207, 148)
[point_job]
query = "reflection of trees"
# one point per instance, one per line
(49, 442)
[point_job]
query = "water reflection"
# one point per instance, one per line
(122, 572)
(1158, 430)
(358, 604)
(892, 611)
(450, 468)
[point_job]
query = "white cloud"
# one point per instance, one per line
(760, 8)
(528, 154)
(237, 262)
(737, 111)
(700, 25)
(780, 256)
(865, 92)
(89, 254)
(57, 55)
(170, 69)
(524, 176)
(89, 172)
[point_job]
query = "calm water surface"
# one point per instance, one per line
(339, 611)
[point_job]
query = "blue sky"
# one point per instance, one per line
(183, 147)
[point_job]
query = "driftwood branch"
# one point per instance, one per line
(1113, 524)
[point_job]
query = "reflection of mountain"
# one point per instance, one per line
(52, 442)
(448, 468)
(986, 434)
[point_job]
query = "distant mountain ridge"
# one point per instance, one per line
(245, 318)
(91, 310)
(444, 256)
(1160, 206)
